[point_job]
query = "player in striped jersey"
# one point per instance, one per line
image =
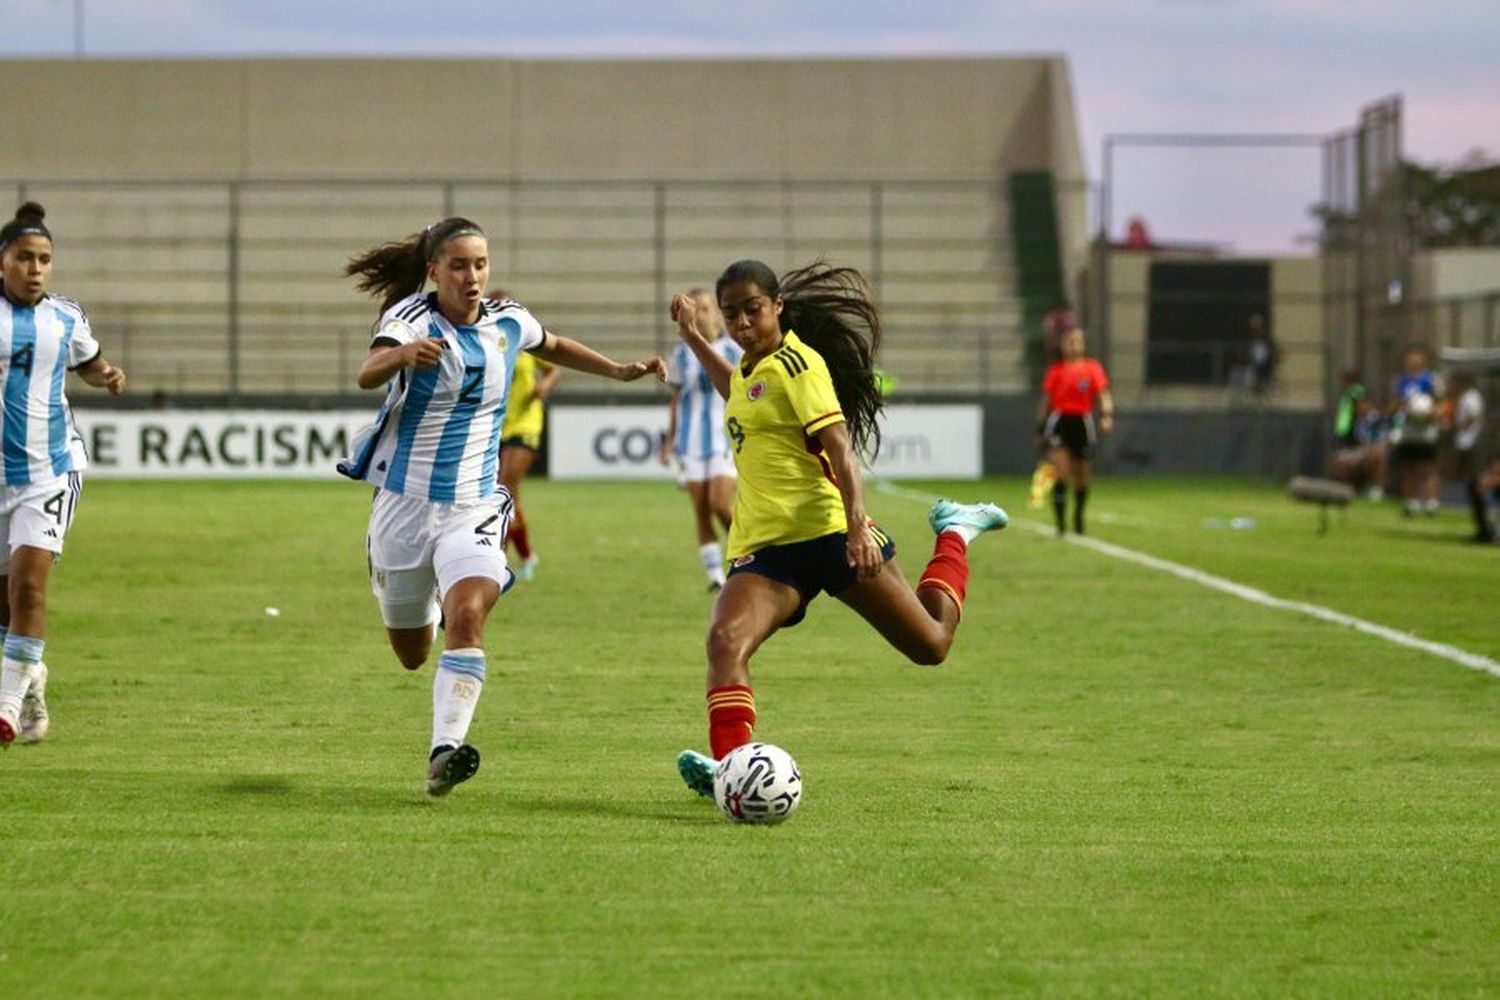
(42, 337)
(802, 406)
(696, 436)
(437, 529)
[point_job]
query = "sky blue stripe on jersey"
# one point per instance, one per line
(707, 394)
(17, 396)
(418, 394)
(57, 424)
(684, 401)
(455, 439)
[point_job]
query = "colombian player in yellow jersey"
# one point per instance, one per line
(800, 410)
(520, 440)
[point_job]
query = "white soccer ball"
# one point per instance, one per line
(757, 783)
(1419, 406)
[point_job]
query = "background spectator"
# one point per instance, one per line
(1414, 432)
(1468, 430)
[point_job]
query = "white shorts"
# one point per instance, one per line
(419, 549)
(701, 470)
(38, 515)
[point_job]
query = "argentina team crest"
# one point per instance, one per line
(756, 390)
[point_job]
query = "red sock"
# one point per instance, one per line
(948, 569)
(517, 536)
(731, 718)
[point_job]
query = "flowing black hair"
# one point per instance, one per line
(830, 309)
(396, 270)
(28, 222)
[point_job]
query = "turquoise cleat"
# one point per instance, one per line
(977, 517)
(697, 771)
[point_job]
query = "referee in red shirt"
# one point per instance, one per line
(1065, 419)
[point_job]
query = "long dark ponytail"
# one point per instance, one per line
(396, 270)
(830, 309)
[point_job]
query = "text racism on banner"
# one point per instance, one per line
(182, 444)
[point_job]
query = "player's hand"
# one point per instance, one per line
(1106, 424)
(637, 369)
(423, 353)
(864, 554)
(684, 312)
(114, 379)
(664, 453)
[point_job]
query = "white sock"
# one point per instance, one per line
(22, 653)
(455, 692)
(712, 558)
(965, 531)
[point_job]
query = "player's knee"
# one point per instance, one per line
(930, 650)
(726, 643)
(411, 659)
(465, 622)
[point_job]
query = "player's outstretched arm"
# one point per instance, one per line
(102, 375)
(571, 354)
(684, 311)
(864, 552)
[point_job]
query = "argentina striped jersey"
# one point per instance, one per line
(437, 435)
(700, 408)
(39, 345)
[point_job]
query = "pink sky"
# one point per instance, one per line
(1304, 66)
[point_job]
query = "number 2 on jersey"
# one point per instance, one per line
(737, 433)
(472, 390)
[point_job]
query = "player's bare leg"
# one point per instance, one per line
(920, 624)
(749, 609)
(710, 555)
(412, 646)
(921, 621)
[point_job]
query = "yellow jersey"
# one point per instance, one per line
(786, 491)
(524, 413)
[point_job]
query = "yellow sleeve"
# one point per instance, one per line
(810, 392)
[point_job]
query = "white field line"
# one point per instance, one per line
(1463, 657)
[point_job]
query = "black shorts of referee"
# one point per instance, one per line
(1073, 431)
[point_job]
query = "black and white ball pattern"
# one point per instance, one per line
(758, 783)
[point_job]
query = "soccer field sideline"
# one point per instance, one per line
(1463, 657)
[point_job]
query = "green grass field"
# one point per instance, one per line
(1121, 783)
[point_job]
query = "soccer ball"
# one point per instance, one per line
(757, 783)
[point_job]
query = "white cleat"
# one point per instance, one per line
(34, 720)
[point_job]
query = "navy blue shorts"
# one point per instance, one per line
(811, 567)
